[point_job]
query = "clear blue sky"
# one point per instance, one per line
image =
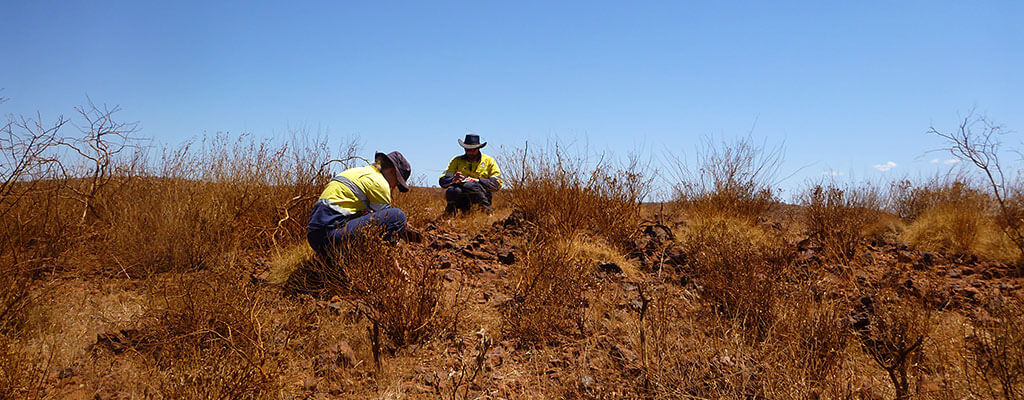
(846, 87)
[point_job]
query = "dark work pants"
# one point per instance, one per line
(464, 195)
(322, 240)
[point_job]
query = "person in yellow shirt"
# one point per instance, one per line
(470, 178)
(356, 198)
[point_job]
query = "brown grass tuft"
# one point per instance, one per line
(840, 218)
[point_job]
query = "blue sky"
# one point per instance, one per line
(845, 87)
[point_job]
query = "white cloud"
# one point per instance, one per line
(885, 167)
(833, 173)
(934, 161)
(951, 161)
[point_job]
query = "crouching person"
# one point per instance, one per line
(358, 197)
(470, 178)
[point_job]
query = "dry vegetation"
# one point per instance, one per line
(131, 271)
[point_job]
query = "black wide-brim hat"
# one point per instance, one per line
(402, 165)
(472, 142)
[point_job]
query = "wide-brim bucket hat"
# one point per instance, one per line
(402, 165)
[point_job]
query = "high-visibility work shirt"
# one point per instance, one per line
(351, 192)
(484, 169)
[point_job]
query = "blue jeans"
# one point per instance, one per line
(322, 240)
(464, 195)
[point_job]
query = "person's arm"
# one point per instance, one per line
(451, 175)
(492, 182)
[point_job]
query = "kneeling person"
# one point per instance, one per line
(358, 197)
(470, 178)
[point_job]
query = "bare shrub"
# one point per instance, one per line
(840, 217)
(730, 178)
(398, 291)
(995, 350)
(895, 336)
(737, 267)
(564, 196)
(814, 333)
(976, 140)
(209, 335)
(547, 290)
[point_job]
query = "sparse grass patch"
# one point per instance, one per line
(840, 217)
(729, 179)
(397, 290)
(956, 218)
(548, 290)
(737, 266)
(563, 196)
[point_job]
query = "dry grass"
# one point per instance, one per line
(953, 217)
(137, 282)
(563, 196)
(548, 290)
(728, 179)
(841, 217)
(738, 267)
(397, 290)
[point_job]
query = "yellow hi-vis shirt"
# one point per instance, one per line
(340, 197)
(485, 168)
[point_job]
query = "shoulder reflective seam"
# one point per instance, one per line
(354, 188)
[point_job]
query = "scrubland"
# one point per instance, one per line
(131, 271)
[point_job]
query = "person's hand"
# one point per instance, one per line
(458, 177)
(470, 179)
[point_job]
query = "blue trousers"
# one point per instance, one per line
(323, 240)
(464, 195)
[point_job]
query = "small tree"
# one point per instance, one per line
(977, 140)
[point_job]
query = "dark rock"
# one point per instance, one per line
(860, 321)
(659, 233)
(928, 258)
(478, 254)
(809, 244)
(507, 256)
(675, 255)
(120, 341)
(966, 292)
(514, 220)
(430, 227)
(967, 271)
(1007, 287)
(442, 242)
(904, 257)
(609, 268)
(954, 273)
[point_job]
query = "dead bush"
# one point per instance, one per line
(399, 291)
(995, 350)
(840, 217)
(813, 334)
(729, 179)
(894, 336)
(564, 196)
(548, 289)
(737, 267)
(977, 141)
(209, 335)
